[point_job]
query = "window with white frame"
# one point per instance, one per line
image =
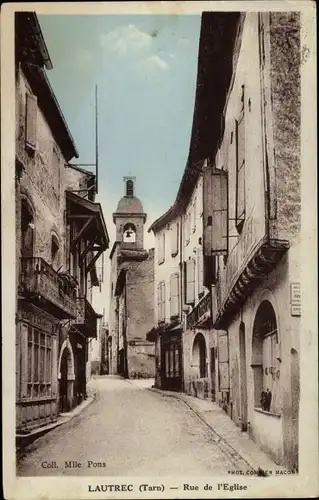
(161, 302)
(174, 295)
(39, 363)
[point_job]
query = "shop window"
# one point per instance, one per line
(129, 233)
(161, 302)
(266, 359)
(39, 363)
(199, 356)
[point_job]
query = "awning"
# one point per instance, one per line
(174, 326)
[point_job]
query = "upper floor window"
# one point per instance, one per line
(55, 170)
(174, 239)
(190, 282)
(161, 302)
(55, 251)
(200, 271)
(240, 168)
(129, 188)
(161, 248)
(31, 121)
(174, 295)
(194, 216)
(27, 229)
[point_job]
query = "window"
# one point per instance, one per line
(54, 252)
(190, 282)
(161, 302)
(200, 271)
(174, 296)
(187, 223)
(174, 239)
(129, 188)
(194, 216)
(161, 248)
(240, 169)
(55, 171)
(27, 230)
(266, 359)
(39, 363)
(31, 121)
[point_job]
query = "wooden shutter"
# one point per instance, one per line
(207, 211)
(223, 361)
(200, 270)
(174, 239)
(190, 281)
(163, 301)
(240, 170)
(174, 295)
(219, 231)
(31, 121)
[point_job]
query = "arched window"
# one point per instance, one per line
(266, 359)
(27, 229)
(129, 233)
(129, 188)
(199, 356)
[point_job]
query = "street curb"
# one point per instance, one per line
(228, 449)
(24, 440)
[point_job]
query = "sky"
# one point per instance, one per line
(145, 67)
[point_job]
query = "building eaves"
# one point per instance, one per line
(214, 71)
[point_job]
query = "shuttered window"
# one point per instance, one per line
(174, 296)
(200, 271)
(174, 239)
(161, 302)
(193, 228)
(31, 121)
(215, 213)
(161, 248)
(223, 361)
(240, 171)
(190, 281)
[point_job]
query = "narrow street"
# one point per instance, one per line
(128, 430)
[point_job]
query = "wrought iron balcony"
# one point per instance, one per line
(86, 318)
(43, 286)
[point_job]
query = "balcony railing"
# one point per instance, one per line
(86, 318)
(42, 285)
(202, 312)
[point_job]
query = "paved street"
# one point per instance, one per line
(128, 430)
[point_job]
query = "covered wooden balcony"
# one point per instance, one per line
(44, 287)
(86, 318)
(87, 224)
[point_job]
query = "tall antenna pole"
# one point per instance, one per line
(96, 143)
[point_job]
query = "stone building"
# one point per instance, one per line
(256, 298)
(50, 292)
(245, 150)
(131, 293)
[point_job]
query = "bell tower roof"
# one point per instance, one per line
(129, 205)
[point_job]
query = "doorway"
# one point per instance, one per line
(243, 376)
